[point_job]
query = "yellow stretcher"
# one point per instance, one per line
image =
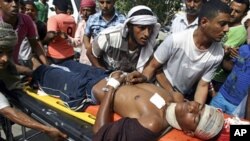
(78, 125)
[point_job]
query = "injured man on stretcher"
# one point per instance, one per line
(147, 110)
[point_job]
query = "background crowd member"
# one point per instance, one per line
(236, 87)
(25, 28)
(41, 29)
(233, 94)
(21, 7)
(106, 17)
(127, 46)
(58, 48)
(31, 10)
(192, 55)
(189, 19)
(42, 10)
(87, 8)
(236, 36)
(8, 40)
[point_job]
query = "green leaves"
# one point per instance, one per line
(164, 9)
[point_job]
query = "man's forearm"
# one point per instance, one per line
(22, 119)
(94, 61)
(150, 69)
(39, 51)
(23, 70)
(201, 92)
(86, 41)
(163, 81)
(104, 114)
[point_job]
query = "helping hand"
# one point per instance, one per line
(62, 34)
(118, 75)
(135, 77)
(56, 134)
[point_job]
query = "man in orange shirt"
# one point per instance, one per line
(58, 48)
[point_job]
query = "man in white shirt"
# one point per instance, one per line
(192, 55)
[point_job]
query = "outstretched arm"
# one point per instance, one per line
(23, 119)
(105, 112)
(37, 47)
(95, 61)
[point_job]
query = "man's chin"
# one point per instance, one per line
(14, 13)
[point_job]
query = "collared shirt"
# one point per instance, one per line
(25, 29)
(180, 23)
(112, 46)
(97, 23)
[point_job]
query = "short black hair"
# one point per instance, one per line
(212, 8)
(30, 2)
(62, 5)
(246, 2)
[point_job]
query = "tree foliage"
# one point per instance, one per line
(164, 9)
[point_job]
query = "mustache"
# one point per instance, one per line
(192, 11)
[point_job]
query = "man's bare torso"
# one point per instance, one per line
(134, 101)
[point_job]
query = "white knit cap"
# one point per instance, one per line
(8, 37)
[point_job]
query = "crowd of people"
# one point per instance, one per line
(200, 67)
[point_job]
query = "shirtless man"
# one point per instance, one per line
(147, 110)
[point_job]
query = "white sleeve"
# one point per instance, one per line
(209, 74)
(99, 45)
(3, 101)
(164, 51)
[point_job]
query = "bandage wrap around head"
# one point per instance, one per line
(8, 37)
(171, 117)
(211, 121)
(88, 3)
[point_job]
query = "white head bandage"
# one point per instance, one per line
(211, 123)
(171, 117)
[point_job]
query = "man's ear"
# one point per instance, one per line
(204, 21)
(189, 133)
